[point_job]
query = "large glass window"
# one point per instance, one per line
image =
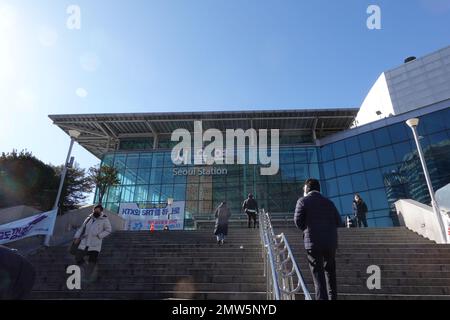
(359, 182)
(398, 132)
(374, 178)
(386, 155)
(352, 145)
(329, 170)
(370, 159)
(381, 137)
(342, 167)
(356, 163)
(339, 149)
(366, 141)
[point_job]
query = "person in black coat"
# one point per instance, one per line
(250, 207)
(17, 275)
(360, 211)
(319, 219)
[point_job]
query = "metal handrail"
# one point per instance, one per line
(273, 288)
(277, 254)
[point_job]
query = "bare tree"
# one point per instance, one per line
(103, 177)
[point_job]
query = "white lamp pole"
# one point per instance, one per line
(73, 135)
(169, 203)
(413, 123)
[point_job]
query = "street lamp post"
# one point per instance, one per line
(74, 134)
(169, 203)
(413, 123)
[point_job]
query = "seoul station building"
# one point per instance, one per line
(368, 150)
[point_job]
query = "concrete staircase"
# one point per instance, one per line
(162, 265)
(190, 265)
(412, 267)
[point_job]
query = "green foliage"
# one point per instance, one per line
(25, 180)
(77, 186)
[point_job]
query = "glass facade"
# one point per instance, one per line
(382, 165)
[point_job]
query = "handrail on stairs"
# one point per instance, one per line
(278, 257)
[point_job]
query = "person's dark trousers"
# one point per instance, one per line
(362, 221)
(323, 268)
(251, 216)
(92, 259)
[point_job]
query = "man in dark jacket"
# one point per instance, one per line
(250, 207)
(17, 275)
(319, 219)
(360, 211)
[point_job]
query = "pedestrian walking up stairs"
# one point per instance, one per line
(161, 265)
(412, 267)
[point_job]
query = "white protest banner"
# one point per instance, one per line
(40, 224)
(142, 216)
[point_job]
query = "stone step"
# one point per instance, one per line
(177, 286)
(148, 295)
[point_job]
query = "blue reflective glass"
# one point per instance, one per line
(141, 193)
(287, 172)
(339, 149)
(130, 176)
(355, 163)
(127, 194)
(346, 204)
(401, 150)
(370, 159)
(359, 182)
(366, 141)
(386, 155)
(133, 161)
(332, 188)
(158, 160)
(327, 153)
(108, 160)
(379, 200)
(328, 170)
(432, 123)
(398, 132)
(156, 175)
(286, 156)
(381, 137)
(352, 145)
(345, 185)
(342, 167)
(383, 222)
(179, 192)
(166, 191)
(145, 160)
(143, 176)
(120, 161)
(153, 193)
(314, 171)
(168, 176)
(437, 138)
(301, 155)
(301, 172)
(337, 203)
(374, 179)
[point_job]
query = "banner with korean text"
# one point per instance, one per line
(142, 216)
(39, 224)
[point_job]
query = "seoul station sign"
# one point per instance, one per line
(210, 171)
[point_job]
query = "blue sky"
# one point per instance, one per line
(194, 55)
